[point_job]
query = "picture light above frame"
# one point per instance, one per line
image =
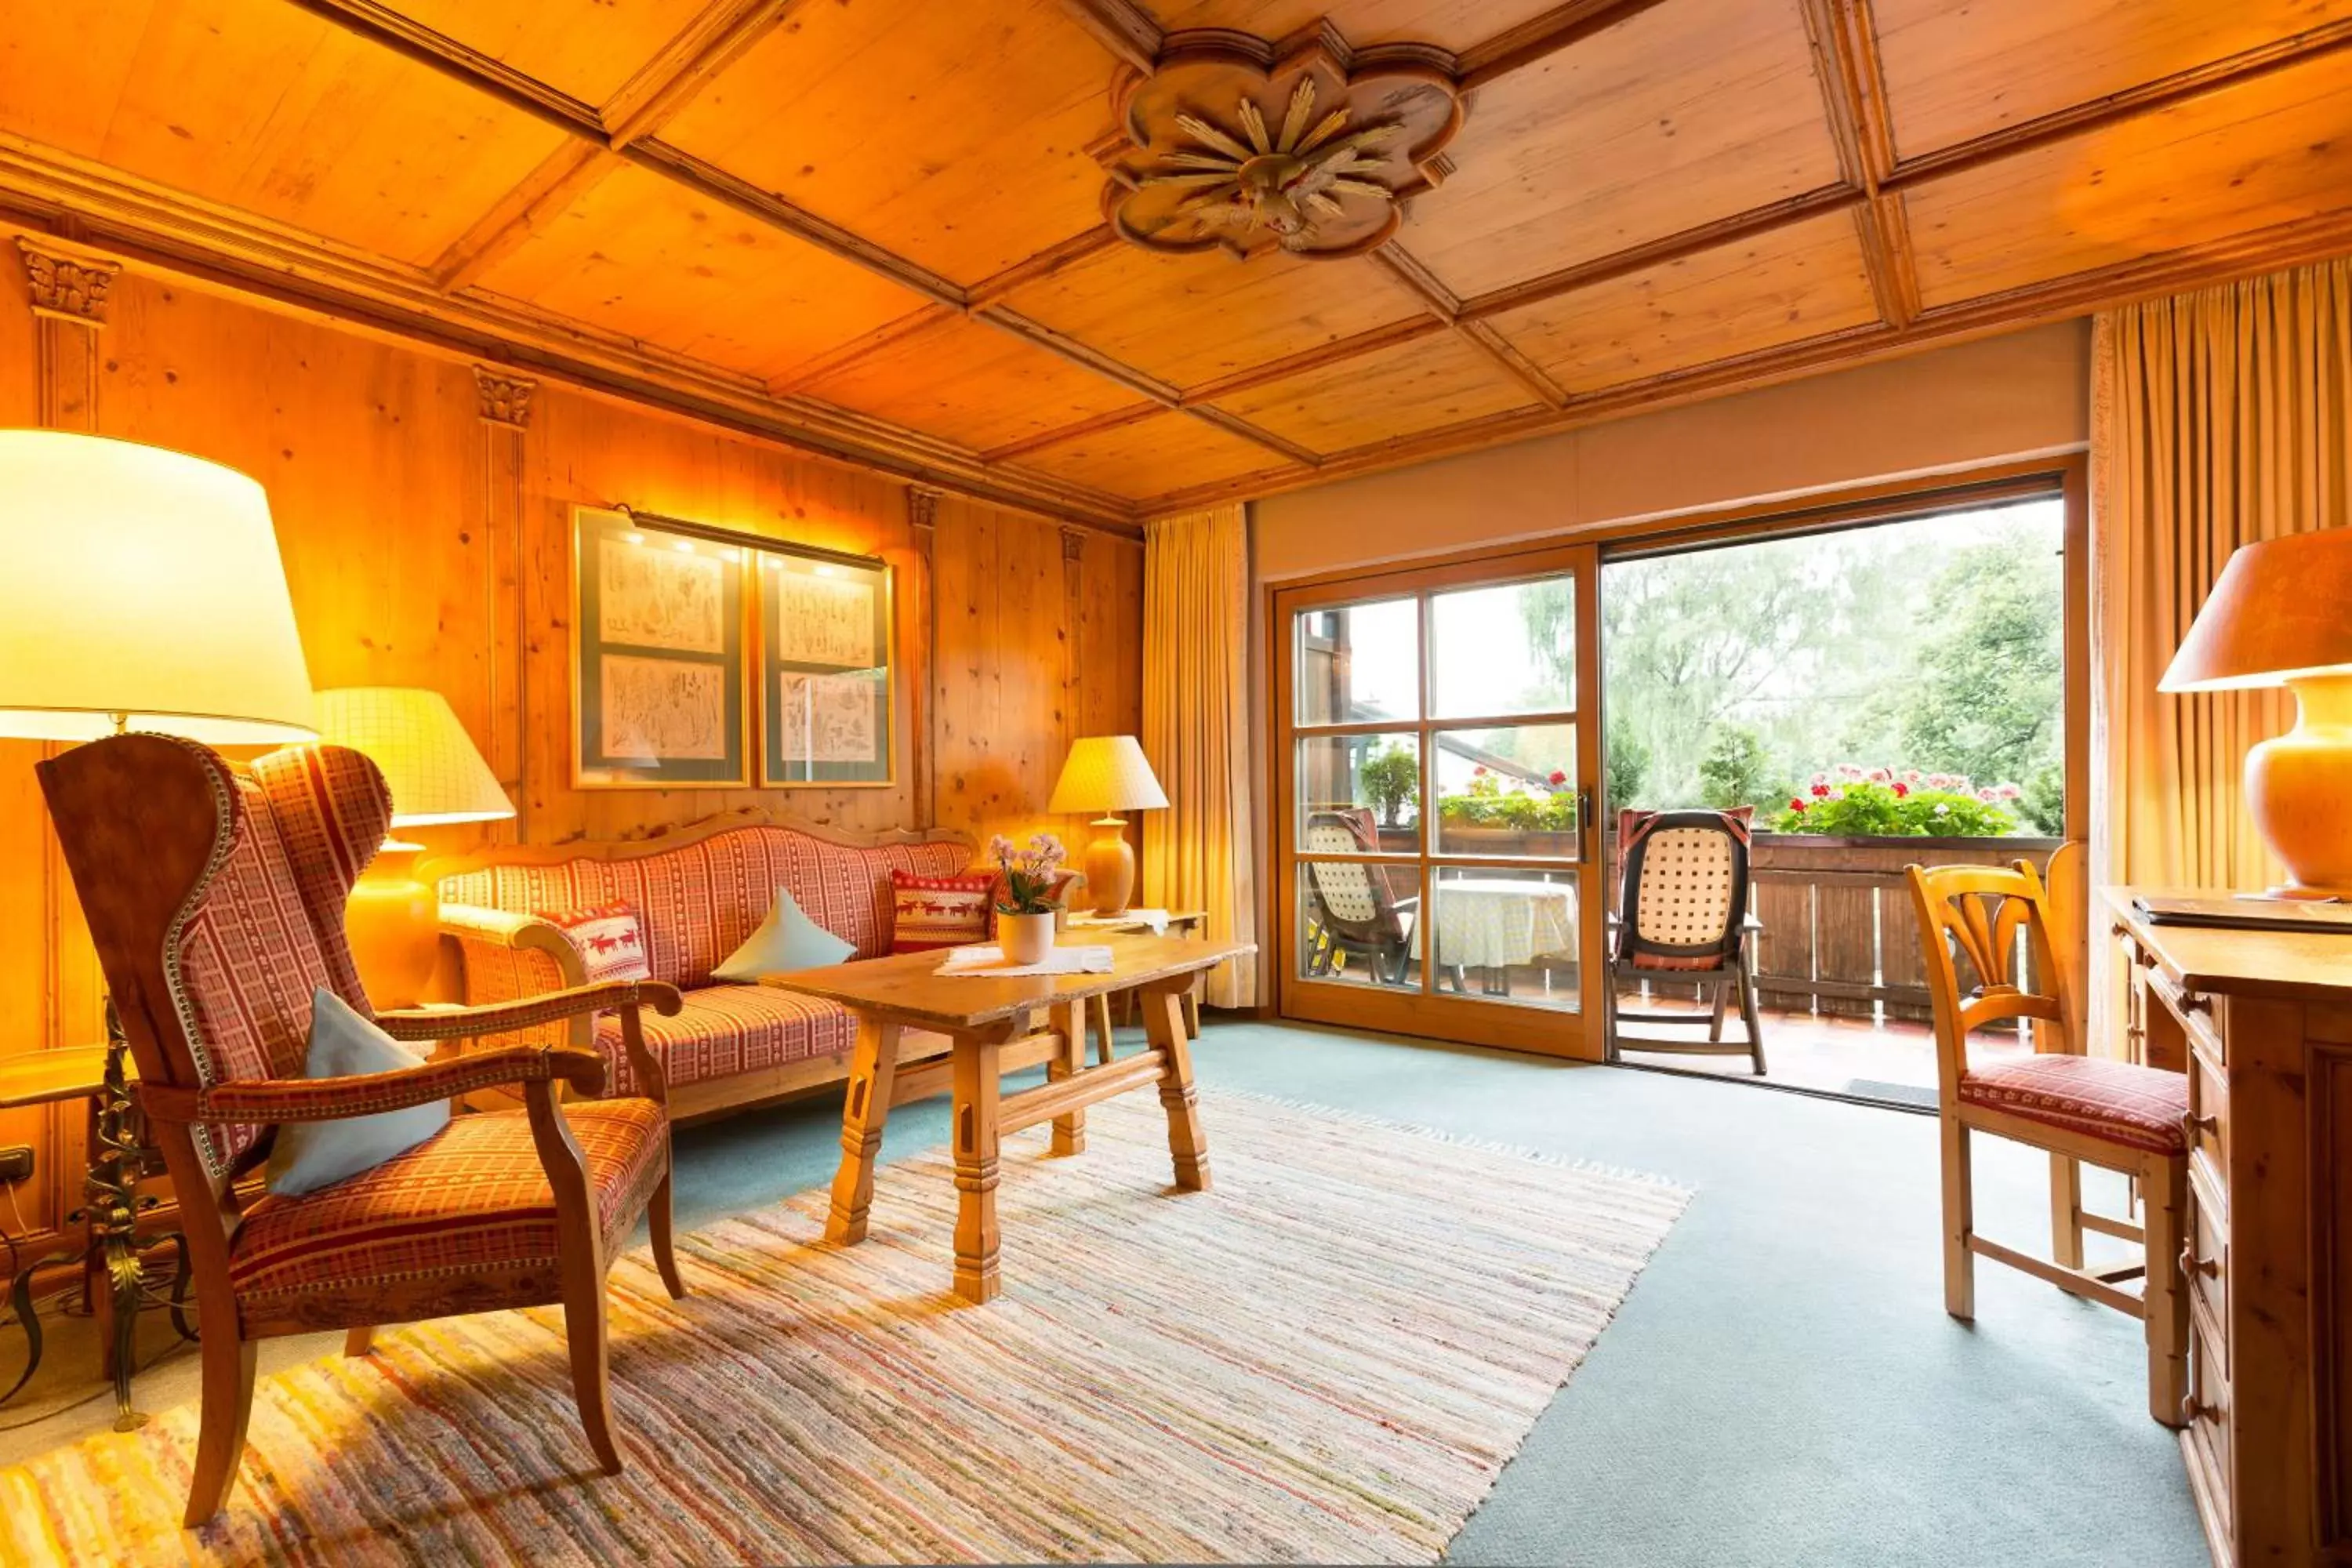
(697, 649)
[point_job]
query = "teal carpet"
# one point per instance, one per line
(1782, 1386)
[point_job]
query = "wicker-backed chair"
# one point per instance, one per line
(1682, 916)
(2114, 1114)
(1350, 906)
(217, 902)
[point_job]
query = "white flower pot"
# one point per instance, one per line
(1025, 939)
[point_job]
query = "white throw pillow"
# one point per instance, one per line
(787, 940)
(308, 1156)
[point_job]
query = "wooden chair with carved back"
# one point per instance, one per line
(215, 900)
(1997, 923)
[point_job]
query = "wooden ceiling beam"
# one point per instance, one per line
(1234, 424)
(1306, 360)
(719, 36)
(1096, 425)
(1531, 40)
(2099, 114)
(2293, 244)
(371, 20)
(1444, 304)
(1663, 251)
(914, 325)
(1040, 267)
(1842, 38)
(164, 232)
(708, 44)
(1130, 33)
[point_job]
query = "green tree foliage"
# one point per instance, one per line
(1391, 780)
(1735, 771)
(1627, 756)
(1932, 645)
(1983, 688)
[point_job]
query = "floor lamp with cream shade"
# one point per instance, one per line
(1108, 773)
(436, 776)
(139, 589)
(2281, 614)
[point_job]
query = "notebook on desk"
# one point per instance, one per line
(2245, 914)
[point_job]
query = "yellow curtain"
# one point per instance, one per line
(1196, 854)
(2218, 418)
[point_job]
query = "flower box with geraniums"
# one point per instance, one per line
(1024, 914)
(1853, 801)
(1488, 818)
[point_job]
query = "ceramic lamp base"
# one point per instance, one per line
(2299, 789)
(1110, 868)
(393, 925)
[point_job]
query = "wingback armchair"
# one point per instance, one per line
(215, 900)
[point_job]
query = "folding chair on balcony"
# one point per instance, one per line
(1683, 918)
(1351, 909)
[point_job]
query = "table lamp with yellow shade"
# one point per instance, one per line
(1108, 773)
(436, 776)
(2281, 614)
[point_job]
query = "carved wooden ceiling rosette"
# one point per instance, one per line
(1234, 142)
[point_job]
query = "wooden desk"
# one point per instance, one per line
(989, 1021)
(2262, 1022)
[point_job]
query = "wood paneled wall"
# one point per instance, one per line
(424, 508)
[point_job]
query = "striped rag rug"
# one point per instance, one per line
(1326, 1358)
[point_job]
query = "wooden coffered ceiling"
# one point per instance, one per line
(875, 227)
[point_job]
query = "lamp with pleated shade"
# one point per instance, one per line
(2281, 614)
(436, 776)
(1108, 774)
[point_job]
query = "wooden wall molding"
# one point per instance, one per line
(170, 234)
(505, 398)
(921, 676)
(66, 284)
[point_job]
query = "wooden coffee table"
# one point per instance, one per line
(988, 1019)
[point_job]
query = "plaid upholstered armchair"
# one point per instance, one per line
(217, 902)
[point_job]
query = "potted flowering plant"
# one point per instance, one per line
(1523, 819)
(1024, 914)
(1880, 802)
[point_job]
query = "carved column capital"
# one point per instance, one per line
(1074, 543)
(67, 285)
(922, 505)
(506, 398)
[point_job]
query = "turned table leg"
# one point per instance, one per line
(872, 1075)
(1070, 1023)
(976, 1098)
(1163, 1022)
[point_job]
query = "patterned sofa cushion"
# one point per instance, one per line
(2137, 1107)
(474, 1197)
(700, 900)
(728, 1030)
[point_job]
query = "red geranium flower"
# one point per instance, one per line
(1901, 790)
(1798, 806)
(1821, 790)
(1559, 777)
(1478, 773)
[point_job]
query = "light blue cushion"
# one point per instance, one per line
(786, 939)
(308, 1156)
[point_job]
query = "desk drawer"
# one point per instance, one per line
(2205, 1262)
(2208, 1126)
(2191, 1011)
(2207, 1410)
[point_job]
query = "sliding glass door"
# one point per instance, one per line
(1437, 757)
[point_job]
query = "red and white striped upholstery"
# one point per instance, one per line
(699, 901)
(728, 1030)
(2137, 1107)
(268, 930)
(472, 1198)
